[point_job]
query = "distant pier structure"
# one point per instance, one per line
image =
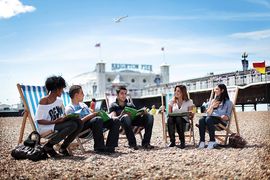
(144, 84)
(254, 88)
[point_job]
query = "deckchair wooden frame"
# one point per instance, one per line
(48, 134)
(223, 138)
(164, 124)
(136, 129)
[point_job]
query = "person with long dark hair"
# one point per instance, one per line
(179, 103)
(50, 117)
(219, 111)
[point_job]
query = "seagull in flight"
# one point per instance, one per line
(118, 20)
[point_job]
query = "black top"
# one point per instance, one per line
(115, 107)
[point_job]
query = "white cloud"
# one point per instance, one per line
(264, 3)
(10, 8)
(254, 35)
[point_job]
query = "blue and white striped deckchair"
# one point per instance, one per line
(165, 109)
(31, 96)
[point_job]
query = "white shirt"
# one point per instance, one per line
(184, 107)
(82, 109)
(48, 112)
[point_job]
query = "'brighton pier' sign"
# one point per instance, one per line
(137, 67)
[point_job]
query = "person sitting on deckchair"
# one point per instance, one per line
(219, 111)
(50, 116)
(146, 120)
(93, 105)
(179, 103)
(94, 122)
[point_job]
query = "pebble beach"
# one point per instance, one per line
(251, 162)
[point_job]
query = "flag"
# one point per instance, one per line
(162, 49)
(97, 45)
(260, 67)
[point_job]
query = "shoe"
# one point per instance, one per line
(182, 146)
(172, 144)
(201, 145)
(110, 149)
(135, 147)
(100, 150)
(211, 144)
(148, 146)
(50, 151)
(64, 152)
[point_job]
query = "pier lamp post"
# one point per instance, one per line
(244, 65)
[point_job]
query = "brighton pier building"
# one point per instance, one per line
(135, 77)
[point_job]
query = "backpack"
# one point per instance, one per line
(30, 149)
(236, 141)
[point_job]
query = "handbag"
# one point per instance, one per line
(236, 141)
(30, 149)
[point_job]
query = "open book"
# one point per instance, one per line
(104, 116)
(181, 114)
(73, 116)
(134, 112)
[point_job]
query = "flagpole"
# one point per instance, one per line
(163, 53)
(163, 56)
(100, 54)
(266, 89)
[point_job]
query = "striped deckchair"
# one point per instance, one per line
(223, 132)
(30, 96)
(189, 130)
(223, 137)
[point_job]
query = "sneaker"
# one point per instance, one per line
(100, 150)
(148, 146)
(110, 149)
(135, 147)
(182, 146)
(172, 144)
(211, 145)
(64, 152)
(201, 145)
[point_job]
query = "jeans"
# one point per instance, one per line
(209, 122)
(179, 122)
(97, 125)
(146, 121)
(67, 130)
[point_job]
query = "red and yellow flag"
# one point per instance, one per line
(260, 67)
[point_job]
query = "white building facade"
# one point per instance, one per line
(135, 77)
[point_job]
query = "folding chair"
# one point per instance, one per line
(223, 137)
(112, 98)
(31, 96)
(189, 130)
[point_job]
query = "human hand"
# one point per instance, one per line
(215, 104)
(59, 120)
(224, 117)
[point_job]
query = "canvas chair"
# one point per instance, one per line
(223, 132)
(112, 98)
(30, 96)
(189, 130)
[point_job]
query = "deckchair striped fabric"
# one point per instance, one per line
(66, 98)
(32, 96)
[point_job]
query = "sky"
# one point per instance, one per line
(43, 38)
